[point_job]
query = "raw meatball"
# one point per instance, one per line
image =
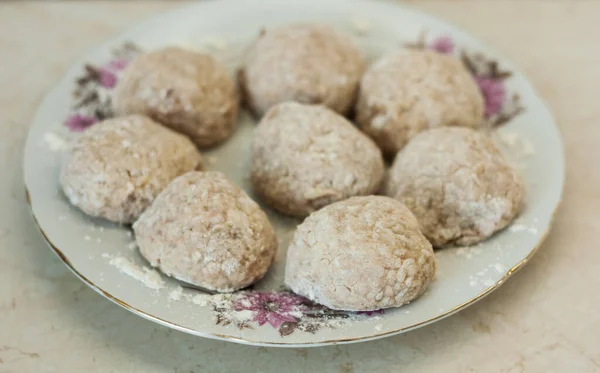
(457, 184)
(306, 156)
(206, 231)
(405, 93)
(308, 63)
(186, 91)
(116, 167)
(361, 254)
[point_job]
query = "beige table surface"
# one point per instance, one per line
(545, 319)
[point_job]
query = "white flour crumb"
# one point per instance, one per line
(149, 277)
(128, 233)
(468, 251)
(54, 142)
(132, 245)
(62, 218)
(176, 293)
(99, 240)
(215, 43)
(522, 228)
(517, 228)
(240, 316)
(488, 282)
(361, 26)
(473, 283)
(201, 299)
(520, 145)
(101, 229)
(378, 327)
(499, 268)
(105, 255)
(87, 238)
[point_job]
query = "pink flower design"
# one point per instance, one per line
(107, 78)
(494, 94)
(443, 44)
(78, 122)
(274, 308)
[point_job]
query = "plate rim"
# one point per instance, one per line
(247, 341)
(244, 340)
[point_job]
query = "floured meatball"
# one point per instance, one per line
(184, 90)
(405, 93)
(308, 63)
(117, 167)
(361, 254)
(457, 184)
(306, 156)
(206, 231)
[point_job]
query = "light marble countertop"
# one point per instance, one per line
(545, 319)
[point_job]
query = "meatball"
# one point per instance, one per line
(405, 93)
(308, 63)
(361, 254)
(117, 167)
(457, 184)
(186, 91)
(204, 230)
(306, 156)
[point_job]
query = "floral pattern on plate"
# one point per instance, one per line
(282, 310)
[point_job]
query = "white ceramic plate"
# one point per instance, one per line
(101, 253)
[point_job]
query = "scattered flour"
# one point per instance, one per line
(55, 143)
(522, 228)
(176, 294)
(87, 238)
(516, 147)
(201, 299)
(149, 277)
(132, 245)
(378, 327)
(499, 267)
(468, 251)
